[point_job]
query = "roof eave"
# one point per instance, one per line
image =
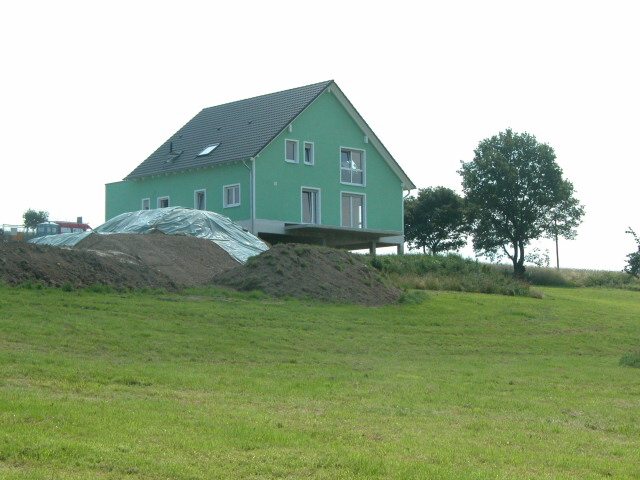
(183, 169)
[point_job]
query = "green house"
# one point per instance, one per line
(298, 165)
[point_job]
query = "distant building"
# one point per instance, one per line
(57, 226)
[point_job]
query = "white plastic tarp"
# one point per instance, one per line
(239, 243)
(61, 239)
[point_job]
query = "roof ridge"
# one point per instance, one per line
(326, 82)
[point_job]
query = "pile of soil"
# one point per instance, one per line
(187, 261)
(25, 262)
(307, 271)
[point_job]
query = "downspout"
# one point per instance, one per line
(253, 195)
(252, 187)
(403, 199)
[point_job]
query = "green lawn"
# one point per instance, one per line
(215, 385)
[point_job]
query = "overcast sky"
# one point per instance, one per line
(89, 90)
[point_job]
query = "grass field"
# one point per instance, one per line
(217, 385)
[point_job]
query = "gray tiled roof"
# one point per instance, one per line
(242, 128)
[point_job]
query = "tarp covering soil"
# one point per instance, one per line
(23, 262)
(212, 226)
(307, 271)
(187, 261)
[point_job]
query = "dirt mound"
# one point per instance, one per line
(24, 262)
(311, 272)
(187, 261)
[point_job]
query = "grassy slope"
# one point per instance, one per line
(219, 386)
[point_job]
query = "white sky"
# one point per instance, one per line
(88, 90)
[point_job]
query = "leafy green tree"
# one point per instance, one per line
(31, 218)
(435, 220)
(633, 259)
(516, 194)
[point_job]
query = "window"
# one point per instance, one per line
(310, 205)
(352, 166)
(231, 195)
(208, 149)
(146, 204)
(291, 151)
(163, 202)
(308, 153)
(353, 213)
(200, 199)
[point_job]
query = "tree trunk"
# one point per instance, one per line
(518, 266)
(518, 270)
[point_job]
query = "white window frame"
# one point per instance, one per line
(167, 198)
(195, 198)
(296, 151)
(224, 196)
(304, 151)
(364, 208)
(148, 200)
(364, 166)
(318, 205)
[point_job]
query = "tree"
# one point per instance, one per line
(516, 194)
(435, 220)
(564, 218)
(31, 218)
(633, 259)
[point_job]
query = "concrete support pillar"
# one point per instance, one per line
(372, 248)
(401, 249)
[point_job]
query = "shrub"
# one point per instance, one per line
(581, 278)
(633, 264)
(631, 359)
(453, 272)
(412, 297)
(448, 272)
(376, 263)
(633, 259)
(548, 277)
(100, 288)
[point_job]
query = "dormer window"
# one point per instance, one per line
(208, 149)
